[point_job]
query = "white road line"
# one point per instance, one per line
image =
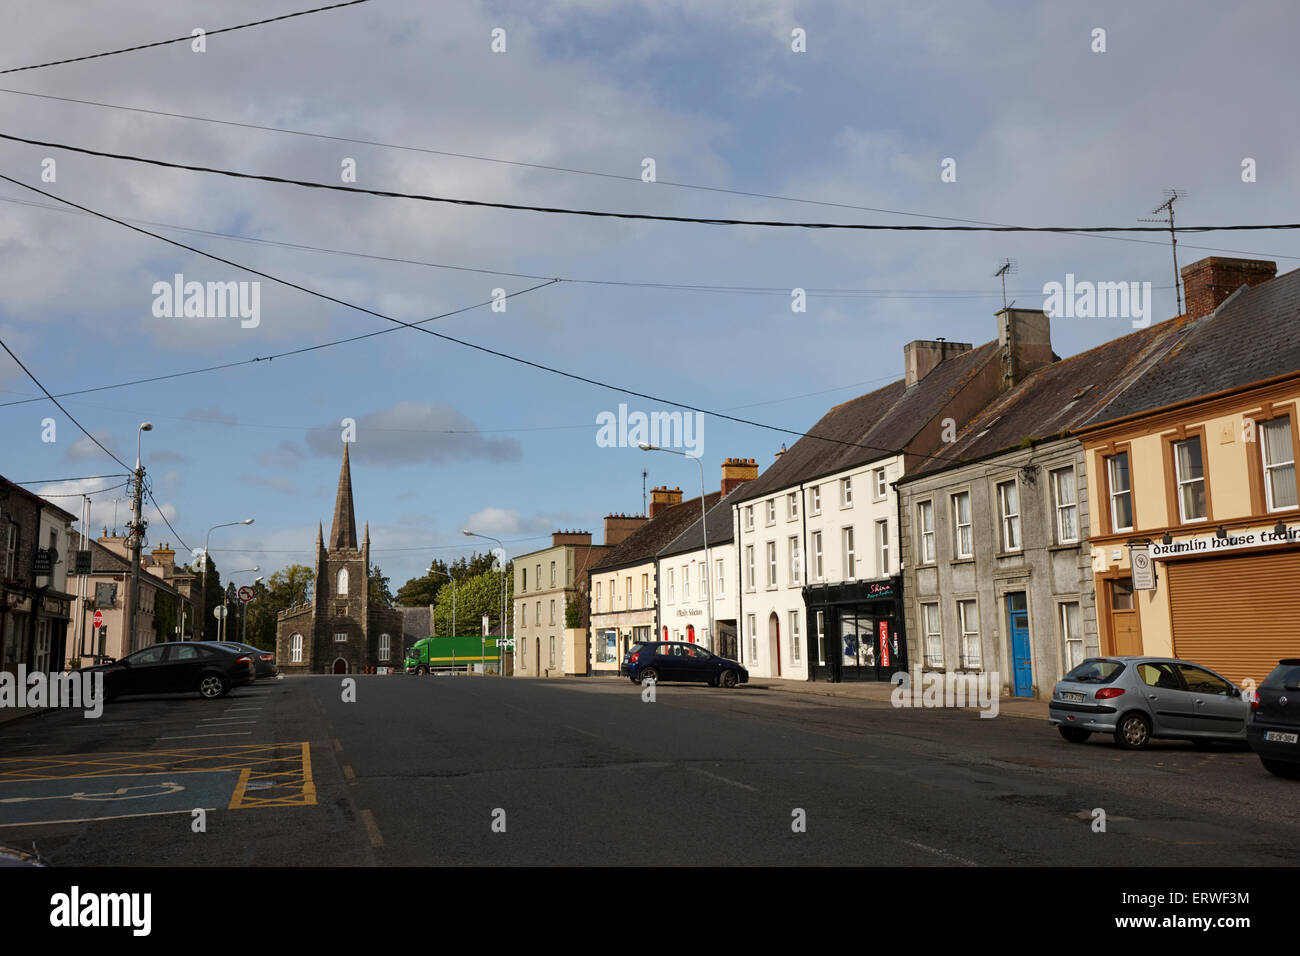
(943, 853)
(123, 816)
(734, 783)
(581, 731)
(238, 733)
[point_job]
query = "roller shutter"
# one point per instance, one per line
(1237, 615)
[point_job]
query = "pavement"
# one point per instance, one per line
(880, 692)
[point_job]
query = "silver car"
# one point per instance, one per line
(1140, 698)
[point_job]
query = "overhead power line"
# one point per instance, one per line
(604, 214)
(184, 39)
(572, 376)
(55, 481)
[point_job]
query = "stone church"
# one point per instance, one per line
(340, 631)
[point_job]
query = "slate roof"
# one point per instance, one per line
(880, 423)
(1254, 335)
(1057, 398)
(718, 519)
(646, 542)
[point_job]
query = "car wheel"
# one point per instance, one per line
(728, 679)
(422, 670)
(649, 674)
(1075, 735)
(1280, 768)
(213, 686)
(1134, 732)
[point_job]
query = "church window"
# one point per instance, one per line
(343, 582)
(340, 638)
(385, 643)
(295, 649)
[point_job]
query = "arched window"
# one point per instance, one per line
(295, 649)
(343, 582)
(385, 643)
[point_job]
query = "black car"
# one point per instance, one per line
(677, 660)
(1274, 728)
(209, 669)
(263, 661)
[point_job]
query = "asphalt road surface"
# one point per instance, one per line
(472, 770)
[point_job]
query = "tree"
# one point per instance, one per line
(423, 591)
(476, 596)
(287, 588)
(572, 613)
(380, 595)
(164, 616)
(211, 598)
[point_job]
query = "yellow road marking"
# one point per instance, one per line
(347, 772)
(368, 818)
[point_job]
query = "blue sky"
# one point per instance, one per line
(1044, 132)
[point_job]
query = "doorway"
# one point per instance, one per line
(774, 642)
(1022, 666)
(340, 666)
(1125, 625)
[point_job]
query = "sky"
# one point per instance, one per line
(1042, 129)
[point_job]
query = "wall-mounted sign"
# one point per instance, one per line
(82, 563)
(689, 612)
(884, 643)
(1233, 541)
(45, 560)
(1144, 569)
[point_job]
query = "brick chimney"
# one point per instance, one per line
(618, 528)
(164, 557)
(1208, 282)
(920, 357)
(570, 537)
(664, 497)
(1025, 340)
(737, 471)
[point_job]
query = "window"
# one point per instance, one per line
(1189, 472)
(1279, 464)
(962, 546)
(925, 526)
(771, 511)
(552, 610)
(817, 556)
(537, 609)
(1065, 501)
(1121, 594)
(539, 577)
(771, 564)
(722, 581)
(882, 489)
(11, 551)
(340, 638)
(749, 567)
(629, 590)
(882, 546)
(1009, 506)
(295, 649)
(850, 558)
(753, 638)
(523, 584)
(1071, 635)
(552, 650)
(343, 582)
(686, 582)
(523, 610)
(792, 505)
(796, 561)
(795, 654)
(704, 580)
(969, 622)
(933, 635)
(815, 499)
(597, 600)
(552, 574)
(1121, 493)
(821, 637)
(385, 646)
(846, 492)
(749, 517)
(645, 590)
(672, 586)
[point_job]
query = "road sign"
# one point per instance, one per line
(245, 594)
(99, 619)
(83, 563)
(219, 611)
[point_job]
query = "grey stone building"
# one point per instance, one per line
(997, 570)
(340, 631)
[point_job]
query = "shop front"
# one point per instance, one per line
(857, 630)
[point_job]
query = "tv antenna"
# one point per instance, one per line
(644, 473)
(1171, 197)
(1008, 267)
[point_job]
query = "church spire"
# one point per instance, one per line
(343, 532)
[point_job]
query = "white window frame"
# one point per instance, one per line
(552, 610)
(1113, 495)
(882, 546)
(749, 567)
(704, 581)
(340, 637)
(752, 624)
(796, 656)
(342, 582)
(1067, 639)
(672, 586)
(722, 579)
(686, 582)
(771, 511)
(958, 551)
(1009, 519)
(848, 541)
(1062, 508)
(385, 646)
(1284, 422)
(967, 638)
(815, 500)
(932, 631)
(926, 542)
(1180, 482)
(597, 602)
(819, 566)
(295, 649)
(796, 571)
(749, 517)
(552, 574)
(846, 492)
(792, 506)
(882, 486)
(771, 564)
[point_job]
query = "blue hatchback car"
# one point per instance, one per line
(679, 661)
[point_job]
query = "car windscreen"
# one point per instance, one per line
(1095, 671)
(1283, 676)
(636, 648)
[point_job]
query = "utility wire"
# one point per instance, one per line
(149, 492)
(146, 46)
(597, 173)
(602, 214)
(84, 494)
(55, 481)
(449, 338)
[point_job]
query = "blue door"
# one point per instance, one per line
(1022, 665)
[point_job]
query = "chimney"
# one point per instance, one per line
(664, 497)
(618, 528)
(165, 558)
(920, 357)
(737, 471)
(1025, 340)
(570, 537)
(1208, 282)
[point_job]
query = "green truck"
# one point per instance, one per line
(445, 653)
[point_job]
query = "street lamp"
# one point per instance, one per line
(704, 526)
(206, 542)
(488, 537)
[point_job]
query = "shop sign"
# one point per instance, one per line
(1232, 541)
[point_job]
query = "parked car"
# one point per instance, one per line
(1138, 699)
(209, 669)
(680, 661)
(263, 661)
(1274, 728)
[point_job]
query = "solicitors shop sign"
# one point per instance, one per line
(1209, 544)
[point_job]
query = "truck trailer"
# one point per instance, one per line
(446, 653)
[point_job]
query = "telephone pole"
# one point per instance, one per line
(134, 543)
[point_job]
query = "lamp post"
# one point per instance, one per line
(488, 537)
(704, 526)
(135, 541)
(206, 542)
(221, 636)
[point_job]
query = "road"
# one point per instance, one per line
(471, 770)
